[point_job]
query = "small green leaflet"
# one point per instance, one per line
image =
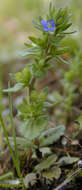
(45, 164)
(54, 172)
(16, 88)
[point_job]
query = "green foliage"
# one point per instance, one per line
(45, 48)
(34, 114)
(24, 76)
(33, 110)
(49, 46)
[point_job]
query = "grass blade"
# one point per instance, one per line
(17, 161)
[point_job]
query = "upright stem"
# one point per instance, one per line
(31, 87)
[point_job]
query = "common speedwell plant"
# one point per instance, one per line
(45, 51)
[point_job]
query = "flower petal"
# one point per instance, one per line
(53, 24)
(44, 23)
(52, 21)
(48, 25)
(46, 29)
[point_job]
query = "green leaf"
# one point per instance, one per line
(37, 25)
(61, 51)
(70, 32)
(6, 176)
(51, 10)
(47, 163)
(45, 151)
(30, 178)
(11, 184)
(48, 105)
(24, 76)
(59, 58)
(54, 172)
(27, 45)
(16, 88)
(37, 41)
(67, 160)
(51, 135)
(67, 26)
(33, 128)
(22, 143)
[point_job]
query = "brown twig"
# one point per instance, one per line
(68, 138)
(69, 151)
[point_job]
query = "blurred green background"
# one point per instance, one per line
(16, 25)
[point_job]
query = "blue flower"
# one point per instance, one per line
(48, 25)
